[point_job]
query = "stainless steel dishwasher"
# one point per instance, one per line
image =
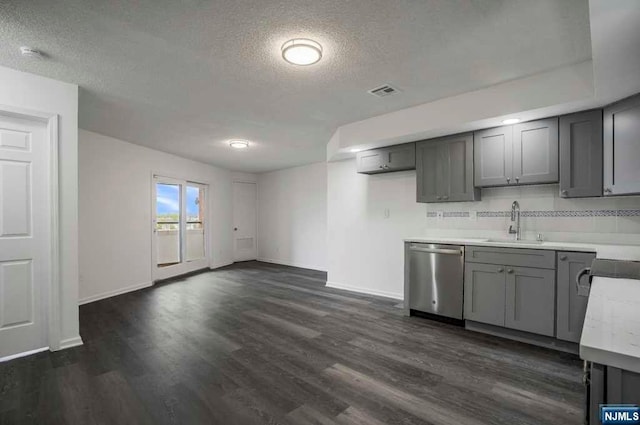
(436, 279)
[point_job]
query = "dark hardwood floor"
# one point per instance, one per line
(259, 343)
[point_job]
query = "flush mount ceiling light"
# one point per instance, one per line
(511, 121)
(30, 52)
(239, 144)
(354, 150)
(301, 51)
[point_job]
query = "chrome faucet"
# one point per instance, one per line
(515, 217)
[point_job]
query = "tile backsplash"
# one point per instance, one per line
(606, 220)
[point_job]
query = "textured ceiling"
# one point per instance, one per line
(185, 76)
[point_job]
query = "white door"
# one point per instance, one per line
(25, 235)
(244, 221)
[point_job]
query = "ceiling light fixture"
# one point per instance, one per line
(354, 150)
(301, 51)
(511, 121)
(30, 52)
(239, 144)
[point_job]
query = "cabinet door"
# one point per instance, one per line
(445, 169)
(484, 293)
(535, 152)
(581, 154)
(623, 386)
(457, 184)
(531, 296)
(427, 172)
(371, 162)
(571, 307)
(493, 157)
(622, 147)
(400, 157)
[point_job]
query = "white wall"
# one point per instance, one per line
(31, 92)
(365, 249)
(292, 216)
(116, 212)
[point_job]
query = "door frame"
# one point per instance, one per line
(233, 222)
(52, 289)
(184, 266)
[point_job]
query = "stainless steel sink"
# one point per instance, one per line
(526, 242)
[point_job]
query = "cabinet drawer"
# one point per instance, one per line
(537, 258)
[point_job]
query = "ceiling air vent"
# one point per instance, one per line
(384, 90)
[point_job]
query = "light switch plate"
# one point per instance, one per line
(473, 215)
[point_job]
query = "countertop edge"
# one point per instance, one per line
(610, 358)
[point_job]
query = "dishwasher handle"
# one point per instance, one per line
(436, 250)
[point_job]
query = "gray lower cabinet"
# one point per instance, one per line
(511, 287)
(444, 169)
(623, 386)
(525, 153)
(611, 385)
(571, 307)
(622, 147)
(538, 258)
(385, 160)
(493, 156)
(530, 300)
(484, 293)
(581, 154)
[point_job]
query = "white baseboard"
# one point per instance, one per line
(70, 342)
(292, 264)
(220, 265)
(65, 343)
(368, 291)
(113, 293)
(24, 354)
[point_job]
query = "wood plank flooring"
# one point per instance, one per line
(256, 343)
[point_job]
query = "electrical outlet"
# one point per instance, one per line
(440, 215)
(473, 215)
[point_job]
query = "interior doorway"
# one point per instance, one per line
(179, 226)
(244, 221)
(26, 235)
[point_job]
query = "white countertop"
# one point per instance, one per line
(611, 331)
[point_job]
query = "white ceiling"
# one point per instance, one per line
(186, 76)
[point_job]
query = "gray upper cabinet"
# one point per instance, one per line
(525, 153)
(444, 169)
(401, 157)
(622, 147)
(581, 154)
(535, 152)
(493, 156)
(385, 160)
(484, 293)
(571, 307)
(370, 161)
(530, 300)
(427, 172)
